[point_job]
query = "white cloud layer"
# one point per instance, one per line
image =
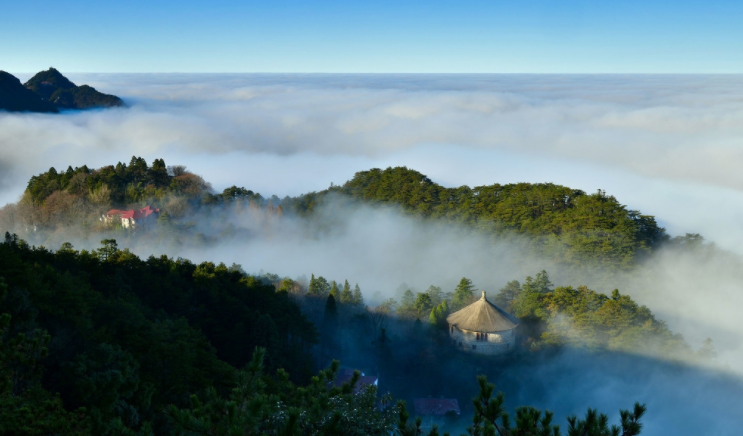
(667, 145)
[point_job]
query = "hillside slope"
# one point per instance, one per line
(563, 223)
(579, 230)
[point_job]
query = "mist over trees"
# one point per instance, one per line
(580, 231)
(178, 337)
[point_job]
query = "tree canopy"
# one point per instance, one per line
(577, 228)
(126, 337)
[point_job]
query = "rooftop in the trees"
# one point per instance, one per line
(483, 316)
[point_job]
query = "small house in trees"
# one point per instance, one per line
(433, 411)
(132, 219)
(484, 328)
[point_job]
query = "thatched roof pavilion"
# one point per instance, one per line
(483, 327)
(483, 316)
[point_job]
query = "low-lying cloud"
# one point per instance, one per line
(667, 145)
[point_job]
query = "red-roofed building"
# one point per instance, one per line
(433, 410)
(132, 219)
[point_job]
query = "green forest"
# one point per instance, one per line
(101, 341)
(583, 230)
(580, 231)
(106, 343)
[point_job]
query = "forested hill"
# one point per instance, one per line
(577, 229)
(124, 337)
(105, 343)
(568, 224)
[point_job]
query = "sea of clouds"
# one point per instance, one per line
(669, 146)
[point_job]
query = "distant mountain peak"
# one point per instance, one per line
(45, 83)
(14, 97)
(48, 91)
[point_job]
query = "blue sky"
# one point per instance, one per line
(496, 36)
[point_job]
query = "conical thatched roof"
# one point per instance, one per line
(482, 316)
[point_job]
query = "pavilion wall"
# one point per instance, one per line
(491, 343)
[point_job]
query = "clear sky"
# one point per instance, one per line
(432, 36)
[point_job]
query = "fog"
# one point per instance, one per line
(680, 400)
(666, 145)
(698, 293)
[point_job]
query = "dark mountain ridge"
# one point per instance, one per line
(49, 91)
(14, 97)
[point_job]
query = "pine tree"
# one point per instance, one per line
(407, 305)
(319, 287)
(439, 314)
(540, 284)
(358, 297)
(330, 326)
(422, 304)
(433, 318)
(312, 287)
(463, 294)
(436, 294)
(491, 418)
(110, 248)
(346, 295)
(334, 291)
(508, 294)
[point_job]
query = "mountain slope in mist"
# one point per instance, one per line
(580, 229)
(337, 233)
(557, 222)
(128, 337)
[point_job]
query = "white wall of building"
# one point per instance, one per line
(496, 342)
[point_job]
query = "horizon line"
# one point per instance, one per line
(403, 73)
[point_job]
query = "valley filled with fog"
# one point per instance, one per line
(667, 146)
